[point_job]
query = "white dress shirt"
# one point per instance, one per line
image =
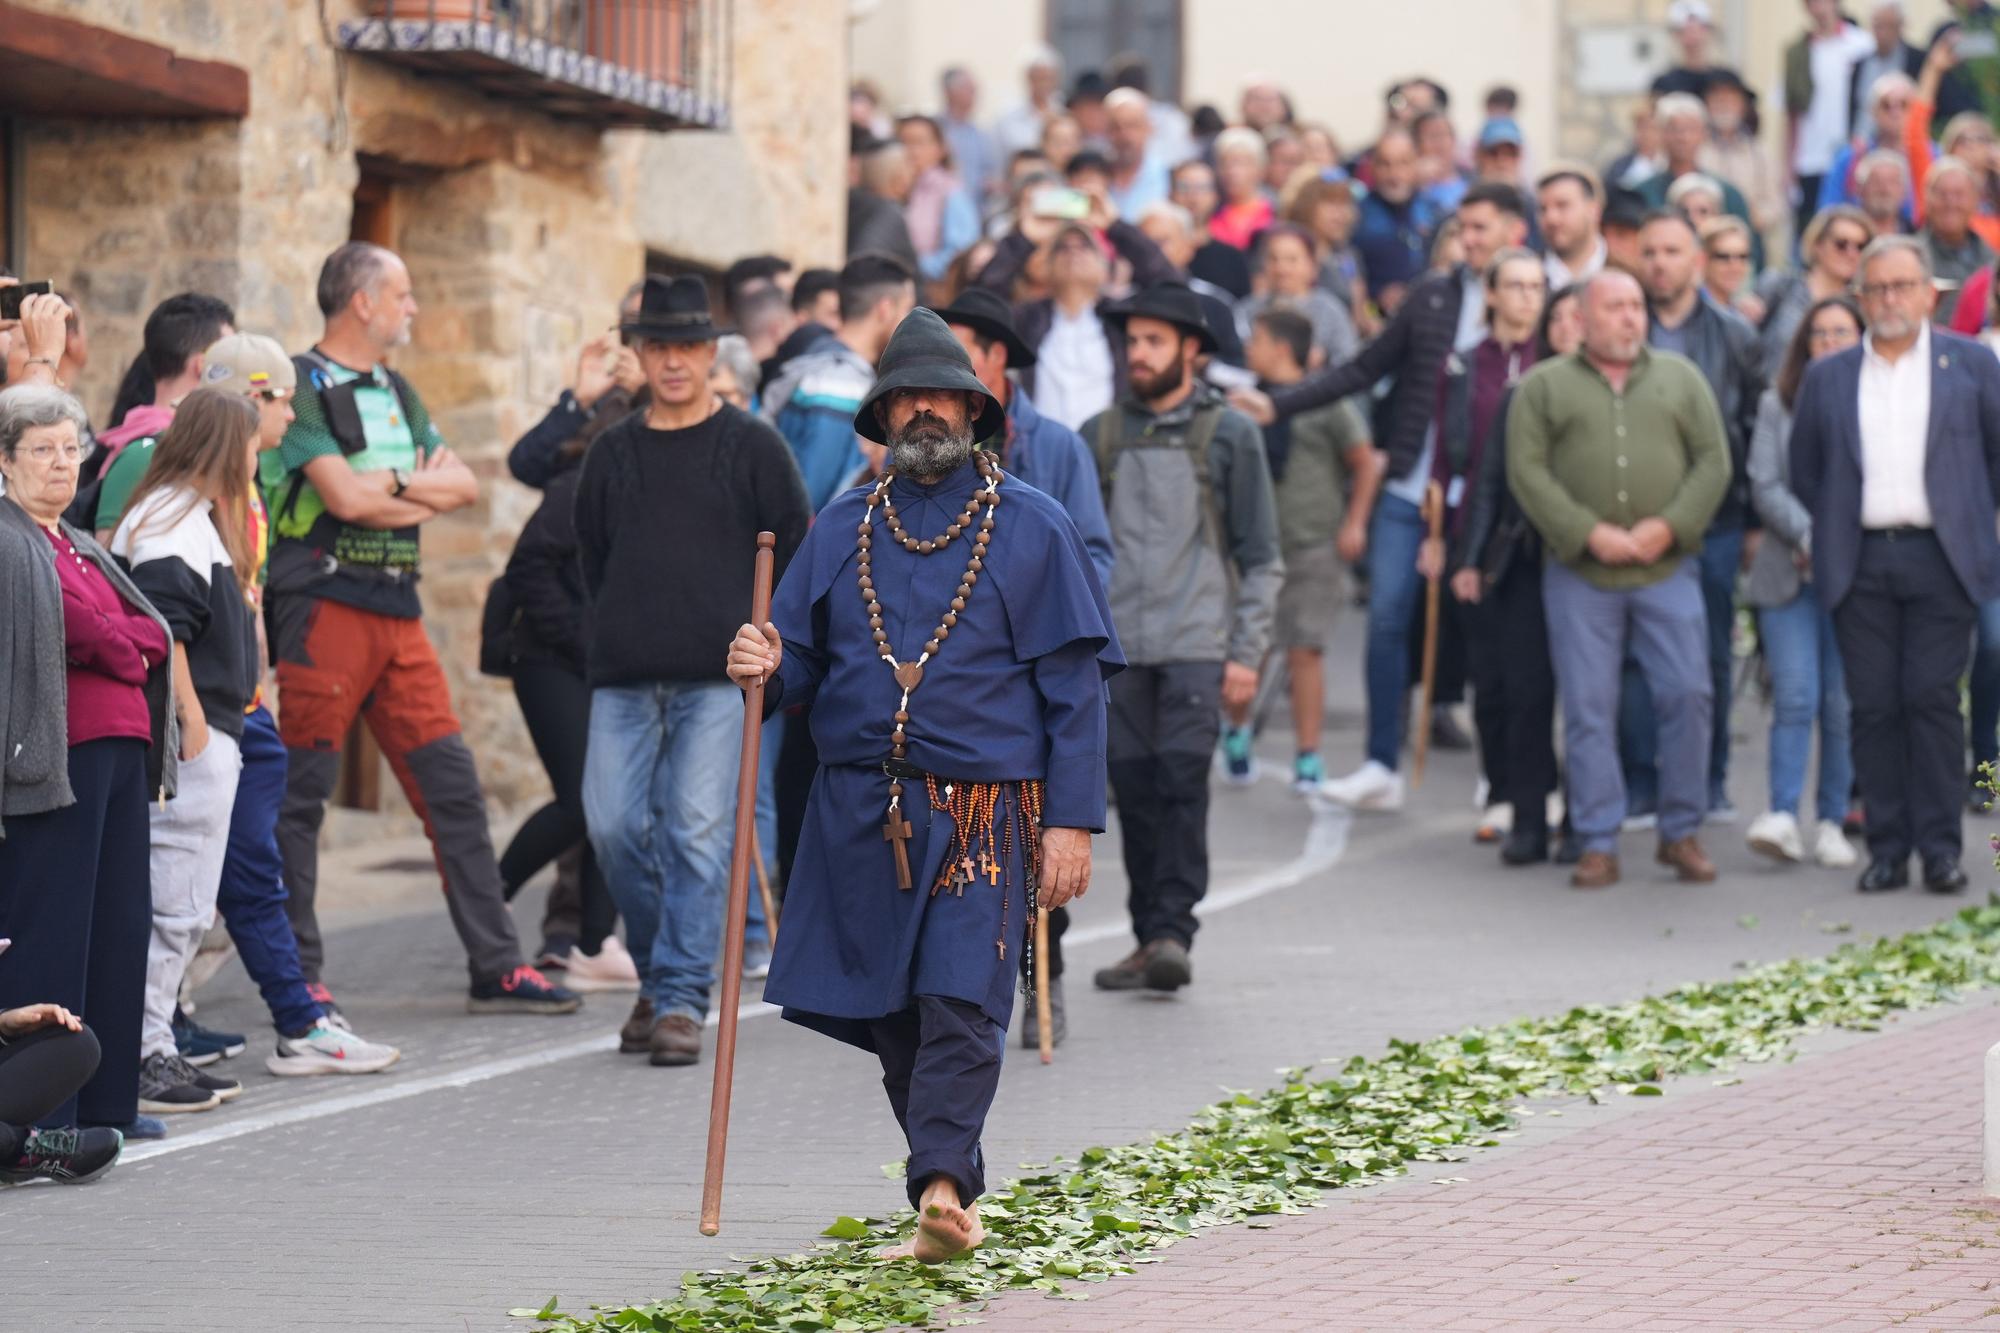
(1074, 377)
(1895, 435)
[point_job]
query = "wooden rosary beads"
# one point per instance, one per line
(896, 831)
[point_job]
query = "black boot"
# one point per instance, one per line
(1569, 847)
(1527, 843)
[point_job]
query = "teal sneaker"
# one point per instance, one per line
(1238, 763)
(1307, 772)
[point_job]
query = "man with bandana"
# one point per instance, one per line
(945, 624)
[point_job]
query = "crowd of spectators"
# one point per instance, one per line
(1602, 408)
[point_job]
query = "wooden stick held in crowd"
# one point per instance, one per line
(1421, 742)
(1044, 1009)
(764, 893)
(739, 905)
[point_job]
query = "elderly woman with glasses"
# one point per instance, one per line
(88, 740)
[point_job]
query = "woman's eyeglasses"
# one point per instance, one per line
(1728, 256)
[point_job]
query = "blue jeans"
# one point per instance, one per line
(1806, 683)
(1394, 534)
(1985, 688)
(657, 785)
(1721, 557)
(1589, 632)
(252, 897)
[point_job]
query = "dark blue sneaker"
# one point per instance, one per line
(201, 1046)
(139, 1127)
(521, 991)
(66, 1156)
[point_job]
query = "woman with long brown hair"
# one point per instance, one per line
(186, 538)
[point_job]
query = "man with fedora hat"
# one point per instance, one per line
(1054, 460)
(667, 515)
(1194, 524)
(946, 624)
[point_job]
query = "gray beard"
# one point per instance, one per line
(924, 453)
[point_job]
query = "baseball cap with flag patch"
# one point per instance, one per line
(249, 363)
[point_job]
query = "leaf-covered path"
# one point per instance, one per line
(528, 1160)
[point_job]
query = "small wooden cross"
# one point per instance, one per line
(990, 868)
(897, 834)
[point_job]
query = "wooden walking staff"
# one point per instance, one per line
(1044, 1010)
(1420, 744)
(739, 904)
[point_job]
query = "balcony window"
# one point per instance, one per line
(653, 64)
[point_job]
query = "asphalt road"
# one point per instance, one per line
(505, 1160)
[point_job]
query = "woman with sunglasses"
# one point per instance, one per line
(1725, 240)
(1832, 248)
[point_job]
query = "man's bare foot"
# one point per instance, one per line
(944, 1231)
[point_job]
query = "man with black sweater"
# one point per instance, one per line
(1443, 313)
(667, 515)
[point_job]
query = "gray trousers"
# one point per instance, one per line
(1666, 626)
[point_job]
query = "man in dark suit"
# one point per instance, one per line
(1896, 452)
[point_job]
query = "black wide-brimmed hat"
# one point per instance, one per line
(1171, 302)
(987, 313)
(673, 311)
(923, 354)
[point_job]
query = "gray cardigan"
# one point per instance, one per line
(1774, 578)
(34, 681)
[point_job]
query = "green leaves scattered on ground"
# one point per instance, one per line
(1258, 1154)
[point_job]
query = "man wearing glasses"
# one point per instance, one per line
(1896, 453)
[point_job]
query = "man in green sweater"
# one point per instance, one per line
(1618, 457)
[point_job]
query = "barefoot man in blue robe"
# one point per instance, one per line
(950, 633)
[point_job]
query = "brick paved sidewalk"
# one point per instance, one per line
(1839, 1192)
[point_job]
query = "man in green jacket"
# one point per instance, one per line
(1618, 457)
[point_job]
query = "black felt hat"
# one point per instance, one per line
(1172, 302)
(923, 354)
(673, 311)
(987, 313)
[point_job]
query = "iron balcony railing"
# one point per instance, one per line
(654, 64)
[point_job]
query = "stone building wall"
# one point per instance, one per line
(520, 230)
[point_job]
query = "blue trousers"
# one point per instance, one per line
(941, 1067)
(1807, 685)
(661, 762)
(252, 897)
(1638, 726)
(1985, 689)
(76, 897)
(1395, 532)
(1589, 630)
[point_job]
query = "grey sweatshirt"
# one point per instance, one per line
(1174, 596)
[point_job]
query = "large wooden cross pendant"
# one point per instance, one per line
(991, 868)
(897, 834)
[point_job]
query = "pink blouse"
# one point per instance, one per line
(110, 645)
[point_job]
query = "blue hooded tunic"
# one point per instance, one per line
(1016, 692)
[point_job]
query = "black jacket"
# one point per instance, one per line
(1496, 534)
(1725, 348)
(546, 582)
(537, 456)
(1413, 348)
(1032, 319)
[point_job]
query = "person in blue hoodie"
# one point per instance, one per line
(813, 400)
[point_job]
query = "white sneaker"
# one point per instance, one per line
(1495, 822)
(1369, 787)
(330, 1050)
(1832, 849)
(610, 968)
(1775, 834)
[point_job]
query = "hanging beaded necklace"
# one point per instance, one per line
(896, 832)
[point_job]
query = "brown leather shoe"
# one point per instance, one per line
(636, 1037)
(676, 1041)
(1691, 864)
(1597, 870)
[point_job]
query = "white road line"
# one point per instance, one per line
(1325, 842)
